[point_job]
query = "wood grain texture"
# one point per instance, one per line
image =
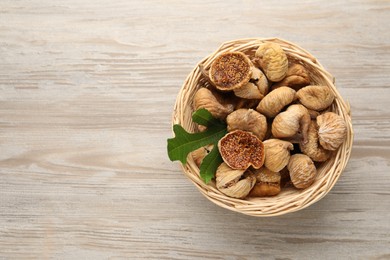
(86, 95)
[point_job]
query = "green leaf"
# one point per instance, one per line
(183, 143)
(209, 165)
(203, 117)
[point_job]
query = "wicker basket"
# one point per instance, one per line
(290, 199)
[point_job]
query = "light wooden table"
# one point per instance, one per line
(86, 95)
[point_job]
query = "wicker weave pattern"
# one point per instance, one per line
(289, 200)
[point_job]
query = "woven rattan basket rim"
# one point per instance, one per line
(288, 200)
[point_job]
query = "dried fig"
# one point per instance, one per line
(272, 60)
(275, 101)
(277, 154)
(296, 77)
(249, 91)
(257, 88)
(288, 123)
(260, 80)
(312, 147)
(233, 183)
(247, 120)
(302, 171)
(204, 98)
(332, 130)
(315, 97)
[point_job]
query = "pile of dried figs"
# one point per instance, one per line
(279, 123)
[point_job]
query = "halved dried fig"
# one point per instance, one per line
(240, 150)
(230, 70)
